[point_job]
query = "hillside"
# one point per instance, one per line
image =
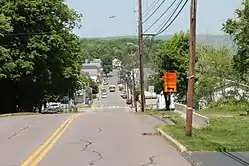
(214, 40)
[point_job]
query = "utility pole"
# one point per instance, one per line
(192, 50)
(134, 87)
(141, 53)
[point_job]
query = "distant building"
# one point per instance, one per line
(93, 69)
(116, 63)
(96, 61)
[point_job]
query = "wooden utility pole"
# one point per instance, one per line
(192, 50)
(134, 89)
(141, 53)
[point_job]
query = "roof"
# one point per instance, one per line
(91, 72)
(91, 66)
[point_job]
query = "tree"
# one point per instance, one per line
(172, 56)
(237, 28)
(115, 48)
(5, 58)
(213, 69)
(43, 56)
(107, 63)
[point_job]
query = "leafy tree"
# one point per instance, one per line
(238, 29)
(172, 56)
(94, 87)
(43, 57)
(213, 69)
(5, 59)
(115, 48)
(107, 64)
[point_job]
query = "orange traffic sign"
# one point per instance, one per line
(170, 82)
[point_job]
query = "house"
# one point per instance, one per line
(116, 63)
(93, 68)
(96, 61)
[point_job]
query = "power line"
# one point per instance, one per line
(163, 27)
(160, 17)
(154, 11)
(153, 4)
(169, 17)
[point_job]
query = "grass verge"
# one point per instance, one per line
(223, 134)
(226, 107)
(86, 106)
(18, 114)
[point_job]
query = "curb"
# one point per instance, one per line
(17, 114)
(186, 154)
(180, 147)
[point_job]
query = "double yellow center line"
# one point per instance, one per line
(43, 150)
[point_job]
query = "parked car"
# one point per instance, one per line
(128, 101)
(50, 110)
(120, 87)
(104, 95)
(53, 108)
(124, 95)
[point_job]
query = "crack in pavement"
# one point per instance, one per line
(100, 130)
(89, 143)
(18, 132)
(152, 161)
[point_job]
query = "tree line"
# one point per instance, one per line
(216, 68)
(109, 49)
(40, 57)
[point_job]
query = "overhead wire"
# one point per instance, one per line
(160, 16)
(152, 39)
(168, 18)
(158, 7)
(148, 10)
(165, 26)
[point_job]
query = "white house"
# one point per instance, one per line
(116, 63)
(93, 69)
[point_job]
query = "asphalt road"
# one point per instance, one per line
(106, 136)
(20, 136)
(222, 159)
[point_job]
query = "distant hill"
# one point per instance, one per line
(213, 40)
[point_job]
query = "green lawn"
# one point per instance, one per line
(86, 106)
(226, 133)
(226, 108)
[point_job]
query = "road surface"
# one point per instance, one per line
(107, 136)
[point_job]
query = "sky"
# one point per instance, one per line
(211, 14)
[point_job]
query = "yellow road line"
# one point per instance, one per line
(46, 143)
(50, 146)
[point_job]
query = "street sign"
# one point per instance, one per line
(151, 89)
(170, 82)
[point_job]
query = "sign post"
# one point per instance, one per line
(170, 82)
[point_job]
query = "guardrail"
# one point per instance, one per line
(198, 120)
